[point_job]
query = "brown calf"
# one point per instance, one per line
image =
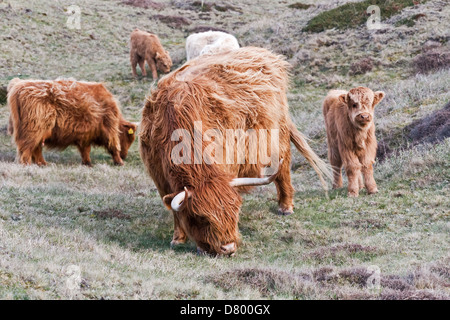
(351, 136)
(146, 47)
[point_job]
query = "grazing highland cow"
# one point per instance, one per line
(236, 93)
(65, 112)
(209, 42)
(351, 136)
(146, 47)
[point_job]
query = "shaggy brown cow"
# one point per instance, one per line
(146, 47)
(351, 136)
(240, 89)
(65, 112)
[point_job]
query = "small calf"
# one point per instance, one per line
(146, 47)
(349, 120)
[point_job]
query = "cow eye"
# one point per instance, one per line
(355, 105)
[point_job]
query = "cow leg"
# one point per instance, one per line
(25, 151)
(117, 159)
(285, 189)
(85, 155)
(113, 148)
(371, 185)
(152, 65)
(134, 58)
(336, 164)
(179, 236)
(353, 174)
(37, 156)
(142, 66)
(25, 157)
(361, 182)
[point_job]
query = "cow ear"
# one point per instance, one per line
(378, 96)
(343, 98)
(130, 128)
(167, 199)
(157, 56)
(181, 203)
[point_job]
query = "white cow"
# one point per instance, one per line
(209, 42)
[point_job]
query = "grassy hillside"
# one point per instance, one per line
(105, 228)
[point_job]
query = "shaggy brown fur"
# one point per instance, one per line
(65, 112)
(240, 89)
(351, 136)
(146, 47)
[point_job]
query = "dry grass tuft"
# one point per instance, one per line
(111, 213)
(146, 4)
(429, 129)
(267, 282)
(173, 21)
(361, 66)
(206, 6)
(431, 61)
(342, 250)
(299, 5)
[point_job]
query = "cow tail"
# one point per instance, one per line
(10, 126)
(14, 107)
(322, 169)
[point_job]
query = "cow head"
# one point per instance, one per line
(163, 61)
(210, 213)
(127, 136)
(361, 102)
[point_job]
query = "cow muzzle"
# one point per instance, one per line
(363, 118)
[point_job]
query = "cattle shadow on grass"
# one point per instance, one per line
(135, 223)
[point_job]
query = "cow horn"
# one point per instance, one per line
(251, 182)
(179, 199)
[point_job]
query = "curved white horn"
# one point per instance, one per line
(251, 182)
(178, 200)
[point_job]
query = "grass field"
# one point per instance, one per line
(72, 232)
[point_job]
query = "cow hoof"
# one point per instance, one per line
(353, 195)
(285, 212)
(373, 191)
(201, 252)
(228, 249)
(118, 164)
(175, 243)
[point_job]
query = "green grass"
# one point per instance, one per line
(351, 15)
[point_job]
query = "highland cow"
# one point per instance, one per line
(349, 120)
(243, 89)
(65, 112)
(146, 47)
(209, 42)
